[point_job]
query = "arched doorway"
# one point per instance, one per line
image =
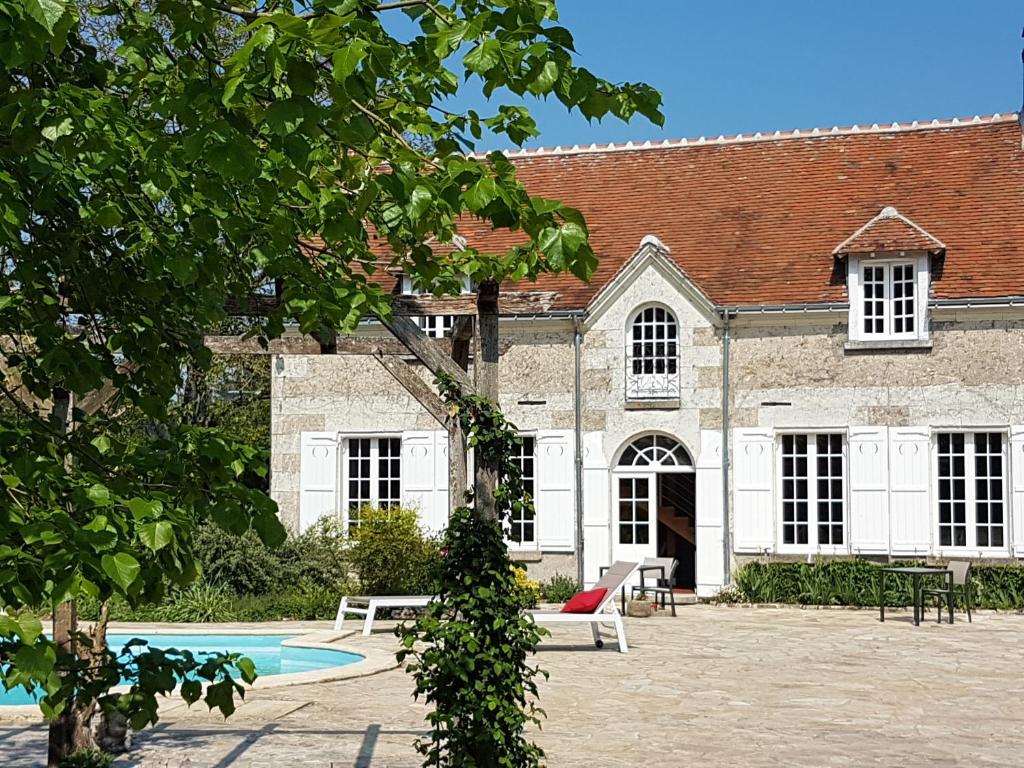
(654, 504)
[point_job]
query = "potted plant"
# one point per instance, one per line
(639, 606)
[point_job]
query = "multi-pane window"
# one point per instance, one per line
(813, 494)
(888, 300)
(373, 474)
(523, 522)
(652, 352)
(971, 480)
(634, 510)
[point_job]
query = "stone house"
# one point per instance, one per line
(799, 344)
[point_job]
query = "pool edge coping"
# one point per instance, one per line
(373, 662)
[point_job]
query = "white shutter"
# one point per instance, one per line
(596, 507)
(1017, 488)
(868, 517)
(556, 512)
(441, 475)
(418, 488)
(318, 477)
(753, 483)
(909, 511)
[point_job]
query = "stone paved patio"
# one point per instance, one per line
(717, 686)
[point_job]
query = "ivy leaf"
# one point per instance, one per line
(122, 568)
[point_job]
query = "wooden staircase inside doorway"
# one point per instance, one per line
(682, 525)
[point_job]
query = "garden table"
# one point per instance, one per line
(916, 573)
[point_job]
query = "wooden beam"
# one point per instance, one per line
(462, 340)
(406, 375)
(410, 334)
(485, 370)
(409, 305)
(458, 480)
(519, 303)
(307, 345)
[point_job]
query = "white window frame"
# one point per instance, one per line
(653, 386)
(436, 326)
(533, 543)
(347, 519)
(812, 545)
(970, 495)
(855, 285)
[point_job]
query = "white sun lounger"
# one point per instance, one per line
(613, 580)
(372, 603)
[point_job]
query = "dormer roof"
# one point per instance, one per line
(890, 231)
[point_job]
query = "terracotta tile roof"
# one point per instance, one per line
(889, 231)
(755, 219)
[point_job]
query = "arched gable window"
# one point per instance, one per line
(652, 355)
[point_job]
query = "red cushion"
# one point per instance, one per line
(585, 602)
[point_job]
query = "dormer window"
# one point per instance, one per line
(889, 306)
(438, 326)
(887, 278)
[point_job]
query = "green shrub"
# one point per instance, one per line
(243, 564)
(320, 555)
(201, 602)
(88, 758)
(391, 555)
(854, 581)
(559, 588)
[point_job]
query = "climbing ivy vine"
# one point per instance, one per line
(471, 653)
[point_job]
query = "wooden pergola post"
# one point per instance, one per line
(485, 370)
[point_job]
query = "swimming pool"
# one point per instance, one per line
(266, 651)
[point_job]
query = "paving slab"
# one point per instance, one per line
(716, 686)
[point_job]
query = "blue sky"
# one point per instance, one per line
(739, 67)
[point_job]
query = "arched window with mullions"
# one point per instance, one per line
(652, 355)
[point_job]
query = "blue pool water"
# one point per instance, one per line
(266, 651)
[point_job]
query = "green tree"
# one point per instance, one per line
(202, 150)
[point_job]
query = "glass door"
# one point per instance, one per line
(634, 517)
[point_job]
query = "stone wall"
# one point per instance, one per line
(972, 375)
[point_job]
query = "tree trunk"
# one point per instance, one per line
(63, 727)
(485, 369)
(65, 616)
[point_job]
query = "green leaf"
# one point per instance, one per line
(99, 494)
(152, 191)
(484, 57)
(345, 60)
(31, 627)
(46, 12)
(55, 131)
(419, 202)
(284, 116)
(101, 443)
(156, 535)
(480, 194)
(546, 77)
(122, 568)
(191, 690)
(142, 509)
(247, 668)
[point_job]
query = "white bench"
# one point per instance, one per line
(372, 604)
